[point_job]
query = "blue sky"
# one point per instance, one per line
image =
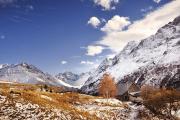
(54, 35)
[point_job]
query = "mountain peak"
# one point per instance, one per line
(24, 64)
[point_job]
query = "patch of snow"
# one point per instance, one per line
(46, 97)
(7, 82)
(110, 101)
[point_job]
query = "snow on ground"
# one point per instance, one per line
(46, 97)
(19, 110)
(134, 111)
(7, 82)
(2, 99)
(106, 109)
(28, 111)
(178, 114)
(110, 101)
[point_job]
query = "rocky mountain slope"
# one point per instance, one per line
(73, 79)
(25, 73)
(68, 77)
(82, 79)
(154, 61)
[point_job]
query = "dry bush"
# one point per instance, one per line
(73, 98)
(56, 89)
(107, 86)
(161, 102)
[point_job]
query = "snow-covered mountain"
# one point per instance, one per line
(67, 77)
(76, 80)
(154, 61)
(3, 65)
(82, 79)
(25, 73)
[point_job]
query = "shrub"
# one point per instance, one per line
(73, 98)
(161, 102)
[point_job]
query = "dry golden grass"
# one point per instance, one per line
(62, 101)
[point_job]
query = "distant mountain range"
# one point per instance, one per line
(25, 73)
(153, 61)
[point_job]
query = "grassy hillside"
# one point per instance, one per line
(23, 101)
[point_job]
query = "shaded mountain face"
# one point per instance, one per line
(25, 73)
(153, 61)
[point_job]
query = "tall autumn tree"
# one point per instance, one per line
(107, 86)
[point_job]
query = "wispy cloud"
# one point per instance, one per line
(90, 63)
(20, 19)
(87, 62)
(6, 2)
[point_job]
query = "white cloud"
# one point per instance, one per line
(94, 50)
(157, 1)
(63, 62)
(2, 37)
(142, 28)
(87, 62)
(94, 21)
(116, 23)
(106, 4)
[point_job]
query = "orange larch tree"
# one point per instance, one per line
(107, 86)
